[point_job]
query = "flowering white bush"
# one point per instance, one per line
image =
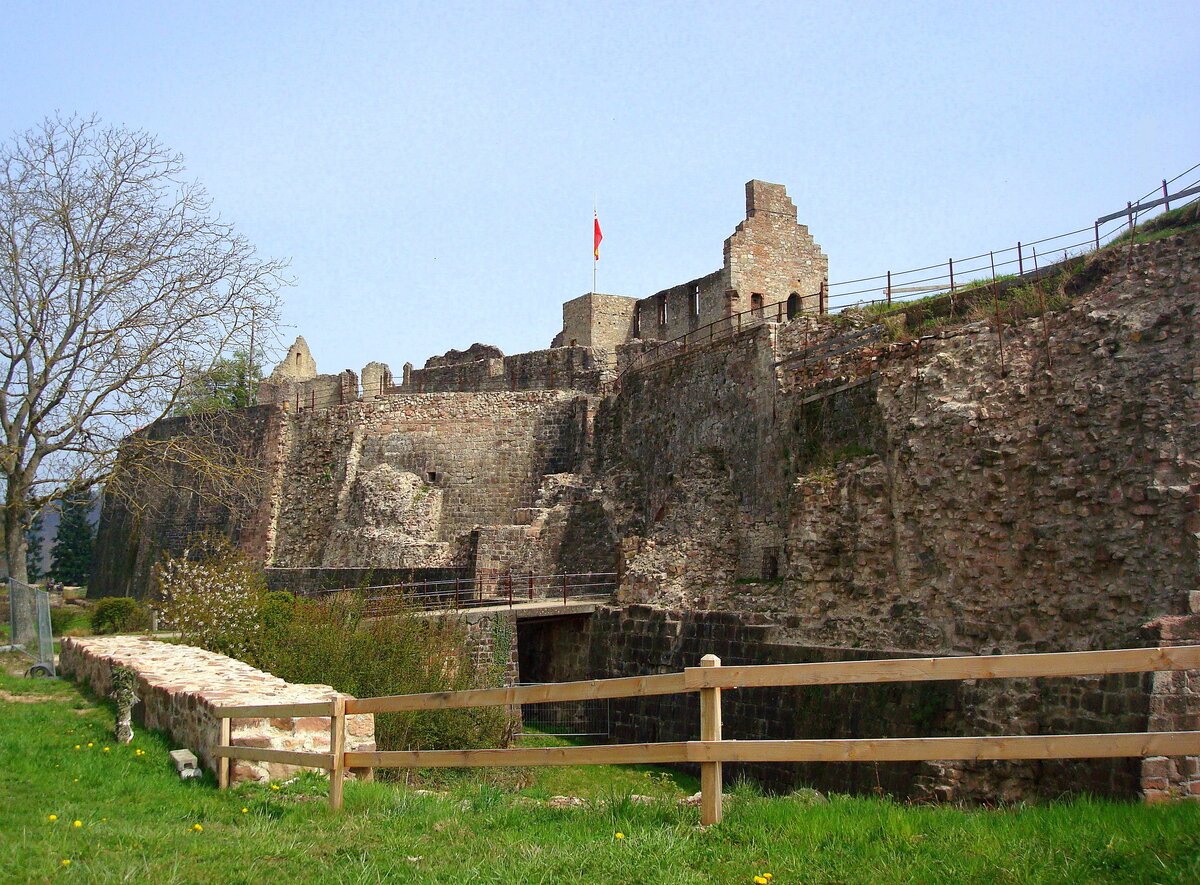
(210, 594)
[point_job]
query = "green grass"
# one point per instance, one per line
(137, 825)
(1162, 226)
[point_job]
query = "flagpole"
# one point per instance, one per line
(595, 260)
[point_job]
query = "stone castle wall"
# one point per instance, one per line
(174, 502)
(435, 465)
(583, 369)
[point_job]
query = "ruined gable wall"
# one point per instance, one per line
(482, 455)
(770, 254)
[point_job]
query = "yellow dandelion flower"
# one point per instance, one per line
(620, 835)
(52, 818)
(77, 746)
(245, 811)
(274, 786)
(760, 880)
(106, 749)
(198, 828)
(90, 745)
(66, 862)
(77, 823)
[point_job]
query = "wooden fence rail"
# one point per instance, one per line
(711, 750)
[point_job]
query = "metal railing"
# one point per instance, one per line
(1027, 260)
(487, 590)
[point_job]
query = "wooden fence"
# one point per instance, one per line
(709, 679)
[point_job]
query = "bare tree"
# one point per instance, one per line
(118, 285)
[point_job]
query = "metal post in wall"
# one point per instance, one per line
(564, 589)
(1020, 261)
(1166, 201)
(889, 288)
(510, 598)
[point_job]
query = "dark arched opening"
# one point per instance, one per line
(793, 306)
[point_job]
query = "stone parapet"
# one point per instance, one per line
(179, 688)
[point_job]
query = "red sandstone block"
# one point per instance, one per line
(257, 741)
(1156, 767)
(283, 724)
(1154, 797)
(310, 723)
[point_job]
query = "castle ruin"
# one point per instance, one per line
(785, 486)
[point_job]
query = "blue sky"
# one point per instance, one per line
(430, 169)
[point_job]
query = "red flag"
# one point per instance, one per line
(597, 237)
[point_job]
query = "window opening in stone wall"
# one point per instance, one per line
(695, 301)
(637, 323)
(756, 303)
(432, 475)
(770, 564)
(793, 307)
(662, 310)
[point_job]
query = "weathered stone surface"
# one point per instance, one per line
(179, 686)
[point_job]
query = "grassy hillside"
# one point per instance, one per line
(138, 823)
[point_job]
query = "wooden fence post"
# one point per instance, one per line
(337, 747)
(710, 730)
(223, 762)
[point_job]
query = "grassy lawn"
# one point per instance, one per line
(139, 823)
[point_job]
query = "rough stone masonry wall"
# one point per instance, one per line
(482, 456)
(175, 503)
(638, 640)
(179, 687)
(1048, 506)
(560, 368)
(770, 254)
(601, 321)
(947, 505)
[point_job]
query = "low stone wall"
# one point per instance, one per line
(179, 687)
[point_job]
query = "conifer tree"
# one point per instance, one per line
(33, 547)
(71, 558)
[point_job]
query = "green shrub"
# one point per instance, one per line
(119, 614)
(330, 642)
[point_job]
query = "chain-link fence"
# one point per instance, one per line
(29, 623)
